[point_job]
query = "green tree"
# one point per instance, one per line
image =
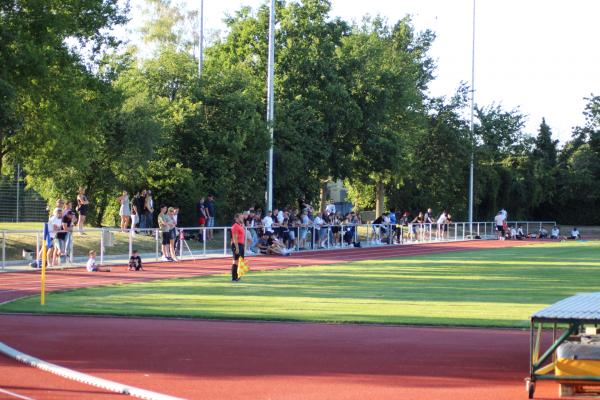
(388, 70)
(439, 164)
(577, 190)
(39, 71)
(544, 163)
(500, 143)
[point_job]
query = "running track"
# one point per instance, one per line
(243, 360)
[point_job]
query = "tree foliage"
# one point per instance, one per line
(351, 104)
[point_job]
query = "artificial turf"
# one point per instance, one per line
(500, 287)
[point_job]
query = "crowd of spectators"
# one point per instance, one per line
(280, 231)
(277, 231)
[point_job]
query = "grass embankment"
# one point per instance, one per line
(477, 288)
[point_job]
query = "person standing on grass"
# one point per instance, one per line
(428, 221)
(499, 221)
(82, 208)
(70, 217)
(55, 227)
(238, 239)
(164, 226)
(172, 224)
(441, 224)
(149, 211)
(201, 218)
(210, 214)
(125, 210)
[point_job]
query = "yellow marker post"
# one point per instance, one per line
(44, 259)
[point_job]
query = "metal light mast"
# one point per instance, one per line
(471, 126)
(270, 101)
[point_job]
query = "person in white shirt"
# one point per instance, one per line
(520, 233)
(317, 224)
(499, 221)
(555, 232)
(54, 226)
(575, 234)
(330, 209)
(268, 222)
(441, 222)
(91, 263)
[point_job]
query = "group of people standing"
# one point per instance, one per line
(205, 214)
(136, 212)
(61, 226)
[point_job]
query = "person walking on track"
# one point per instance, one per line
(238, 239)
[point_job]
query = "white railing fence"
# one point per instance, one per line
(20, 247)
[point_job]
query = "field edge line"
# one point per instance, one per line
(81, 377)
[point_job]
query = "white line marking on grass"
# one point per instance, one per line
(18, 396)
(81, 377)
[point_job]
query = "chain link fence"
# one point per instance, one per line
(18, 204)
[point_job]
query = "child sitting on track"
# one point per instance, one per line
(91, 264)
(135, 261)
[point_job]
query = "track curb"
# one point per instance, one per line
(81, 377)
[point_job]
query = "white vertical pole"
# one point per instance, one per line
(471, 125)
(3, 250)
(101, 246)
(156, 243)
(181, 239)
(270, 101)
(18, 189)
(37, 249)
(131, 232)
(201, 44)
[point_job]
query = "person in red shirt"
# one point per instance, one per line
(238, 239)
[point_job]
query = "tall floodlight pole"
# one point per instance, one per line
(270, 101)
(201, 44)
(18, 189)
(471, 126)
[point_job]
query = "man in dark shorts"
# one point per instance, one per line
(238, 239)
(499, 222)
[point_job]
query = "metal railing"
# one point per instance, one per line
(115, 246)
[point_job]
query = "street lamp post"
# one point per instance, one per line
(471, 167)
(270, 101)
(201, 44)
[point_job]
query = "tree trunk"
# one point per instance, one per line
(323, 195)
(379, 200)
(101, 209)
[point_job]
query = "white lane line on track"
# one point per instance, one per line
(81, 377)
(15, 395)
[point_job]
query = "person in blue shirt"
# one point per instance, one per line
(393, 222)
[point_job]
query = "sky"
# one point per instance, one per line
(541, 56)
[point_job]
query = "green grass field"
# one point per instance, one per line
(477, 288)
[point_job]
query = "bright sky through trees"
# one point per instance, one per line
(539, 55)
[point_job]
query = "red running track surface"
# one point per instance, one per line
(244, 360)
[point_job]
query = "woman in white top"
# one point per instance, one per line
(125, 210)
(441, 222)
(54, 226)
